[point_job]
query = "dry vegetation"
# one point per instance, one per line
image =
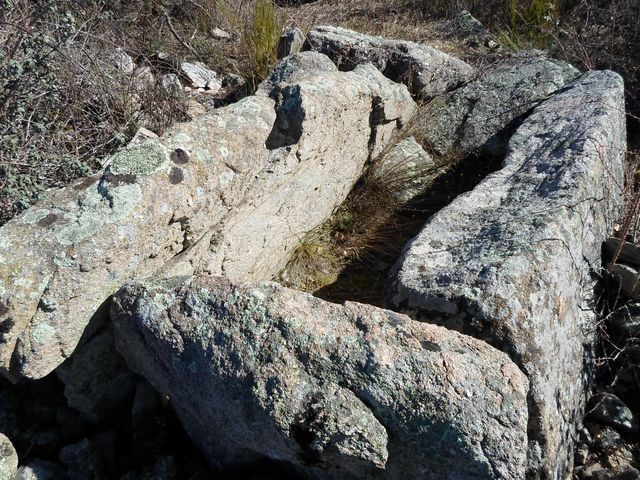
(65, 103)
(349, 256)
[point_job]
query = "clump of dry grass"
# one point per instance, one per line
(349, 255)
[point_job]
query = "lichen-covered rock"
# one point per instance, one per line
(341, 391)
(291, 41)
(408, 166)
(465, 120)
(230, 192)
(428, 72)
(8, 459)
(510, 261)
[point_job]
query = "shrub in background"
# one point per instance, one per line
(64, 104)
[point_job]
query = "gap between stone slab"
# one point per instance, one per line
(363, 279)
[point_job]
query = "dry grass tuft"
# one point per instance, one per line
(350, 255)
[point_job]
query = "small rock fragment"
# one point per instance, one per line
(608, 409)
(141, 136)
(171, 83)
(143, 78)
(8, 459)
(213, 86)
(123, 61)
(291, 41)
(220, 34)
(198, 74)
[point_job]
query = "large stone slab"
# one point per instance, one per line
(232, 192)
(475, 115)
(340, 391)
(428, 72)
(510, 261)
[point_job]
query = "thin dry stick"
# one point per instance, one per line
(177, 36)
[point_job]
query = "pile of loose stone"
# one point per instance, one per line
(138, 301)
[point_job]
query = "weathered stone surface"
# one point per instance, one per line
(8, 459)
(198, 74)
(428, 72)
(231, 192)
(408, 164)
(347, 391)
(465, 120)
(510, 261)
(291, 41)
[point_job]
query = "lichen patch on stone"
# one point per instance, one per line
(42, 333)
(138, 160)
(99, 208)
(34, 216)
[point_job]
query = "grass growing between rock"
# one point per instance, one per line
(350, 255)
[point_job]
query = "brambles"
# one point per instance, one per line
(66, 102)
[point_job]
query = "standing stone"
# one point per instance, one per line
(510, 262)
(291, 41)
(232, 191)
(426, 71)
(339, 391)
(475, 115)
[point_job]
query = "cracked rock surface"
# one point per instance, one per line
(427, 71)
(474, 116)
(511, 262)
(340, 391)
(232, 192)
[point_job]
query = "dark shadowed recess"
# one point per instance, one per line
(37, 418)
(363, 279)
